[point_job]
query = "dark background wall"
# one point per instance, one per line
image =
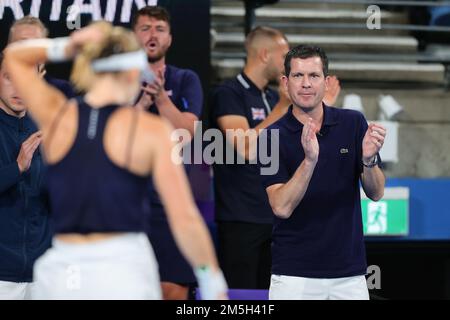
(411, 269)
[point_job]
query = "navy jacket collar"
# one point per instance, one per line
(15, 122)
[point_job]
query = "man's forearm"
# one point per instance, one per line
(251, 142)
(287, 197)
(277, 112)
(373, 181)
(177, 119)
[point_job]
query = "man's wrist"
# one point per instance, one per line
(310, 162)
(370, 162)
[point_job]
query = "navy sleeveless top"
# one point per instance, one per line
(88, 192)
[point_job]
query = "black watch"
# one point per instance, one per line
(372, 162)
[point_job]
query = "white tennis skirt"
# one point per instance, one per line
(122, 267)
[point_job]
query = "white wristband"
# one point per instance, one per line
(56, 51)
(211, 284)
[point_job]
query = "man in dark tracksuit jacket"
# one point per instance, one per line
(24, 221)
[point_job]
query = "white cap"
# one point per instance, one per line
(389, 106)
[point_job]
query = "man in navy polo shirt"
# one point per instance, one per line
(318, 248)
(177, 96)
(243, 213)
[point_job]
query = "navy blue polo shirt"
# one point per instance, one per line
(184, 89)
(62, 85)
(323, 238)
(239, 195)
